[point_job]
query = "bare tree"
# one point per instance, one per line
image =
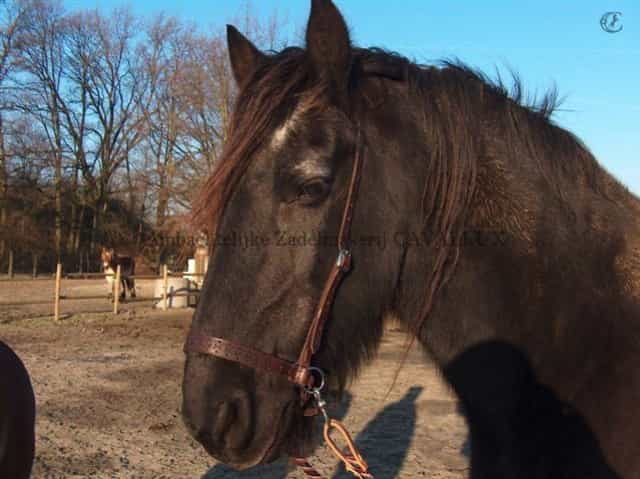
(164, 58)
(192, 104)
(40, 96)
(116, 92)
(109, 119)
(11, 23)
(76, 121)
(82, 82)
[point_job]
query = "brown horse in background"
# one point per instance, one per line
(17, 417)
(110, 261)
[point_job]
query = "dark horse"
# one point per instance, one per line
(110, 261)
(508, 251)
(17, 417)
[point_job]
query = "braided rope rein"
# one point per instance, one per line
(350, 456)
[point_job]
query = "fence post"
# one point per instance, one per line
(165, 286)
(116, 290)
(56, 305)
(10, 270)
(34, 263)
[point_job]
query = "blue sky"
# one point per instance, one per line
(547, 42)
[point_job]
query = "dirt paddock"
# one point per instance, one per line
(108, 396)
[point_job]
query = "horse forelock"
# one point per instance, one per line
(264, 113)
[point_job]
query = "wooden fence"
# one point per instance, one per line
(164, 298)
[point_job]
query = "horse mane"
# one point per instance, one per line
(287, 75)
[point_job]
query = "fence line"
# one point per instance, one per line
(58, 297)
(7, 279)
(110, 275)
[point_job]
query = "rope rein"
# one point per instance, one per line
(349, 456)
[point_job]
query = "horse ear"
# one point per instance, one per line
(244, 55)
(328, 45)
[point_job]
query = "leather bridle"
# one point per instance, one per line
(301, 372)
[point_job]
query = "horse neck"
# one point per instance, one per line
(568, 229)
(440, 165)
(515, 184)
(556, 302)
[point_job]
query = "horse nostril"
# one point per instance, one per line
(223, 426)
(224, 417)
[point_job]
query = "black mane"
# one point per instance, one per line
(524, 115)
(288, 74)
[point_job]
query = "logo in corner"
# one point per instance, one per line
(610, 22)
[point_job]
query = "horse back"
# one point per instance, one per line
(17, 417)
(127, 265)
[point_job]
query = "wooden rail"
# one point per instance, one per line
(6, 279)
(110, 275)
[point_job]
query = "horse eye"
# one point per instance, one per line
(313, 191)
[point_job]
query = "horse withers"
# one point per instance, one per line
(110, 262)
(17, 417)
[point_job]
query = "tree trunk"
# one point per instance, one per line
(163, 199)
(57, 177)
(139, 238)
(4, 188)
(78, 231)
(94, 229)
(73, 230)
(58, 205)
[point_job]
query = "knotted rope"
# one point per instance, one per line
(349, 456)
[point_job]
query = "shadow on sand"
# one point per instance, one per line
(386, 439)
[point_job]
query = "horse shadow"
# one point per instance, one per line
(279, 469)
(518, 419)
(386, 439)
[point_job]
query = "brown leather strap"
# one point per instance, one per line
(354, 185)
(340, 267)
(252, 358)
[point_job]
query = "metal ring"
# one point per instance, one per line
(322, 381)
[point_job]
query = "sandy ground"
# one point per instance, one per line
(108, 394)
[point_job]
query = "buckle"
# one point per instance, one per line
(344, 260)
